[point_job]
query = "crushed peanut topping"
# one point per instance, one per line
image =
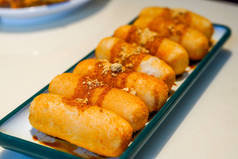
(89, 83)
(125, 89)
(129, 65)
(93, 83)
(84, 101)
(133, 92)
(146, 35)
(113, 68)
(129, 90)
(106, 67)
(127, 51)
(116, 67)
(140, 49)
(171, 28)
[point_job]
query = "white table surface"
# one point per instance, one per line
(203, 125)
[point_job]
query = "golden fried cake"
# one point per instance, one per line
(91, 127)
(194, 41)
(153, 91)
(134, 57)
(181, 15)
(167, 50)
(93, 92)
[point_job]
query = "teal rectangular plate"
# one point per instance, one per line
(30, 148)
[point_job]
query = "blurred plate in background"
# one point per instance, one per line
(38, 13)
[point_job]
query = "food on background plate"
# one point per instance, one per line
(27, 3)
(94, 92)
(91, 127)
(169, 51)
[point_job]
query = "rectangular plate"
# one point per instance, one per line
(15, 129)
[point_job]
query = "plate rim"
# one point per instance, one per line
(39, 10)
